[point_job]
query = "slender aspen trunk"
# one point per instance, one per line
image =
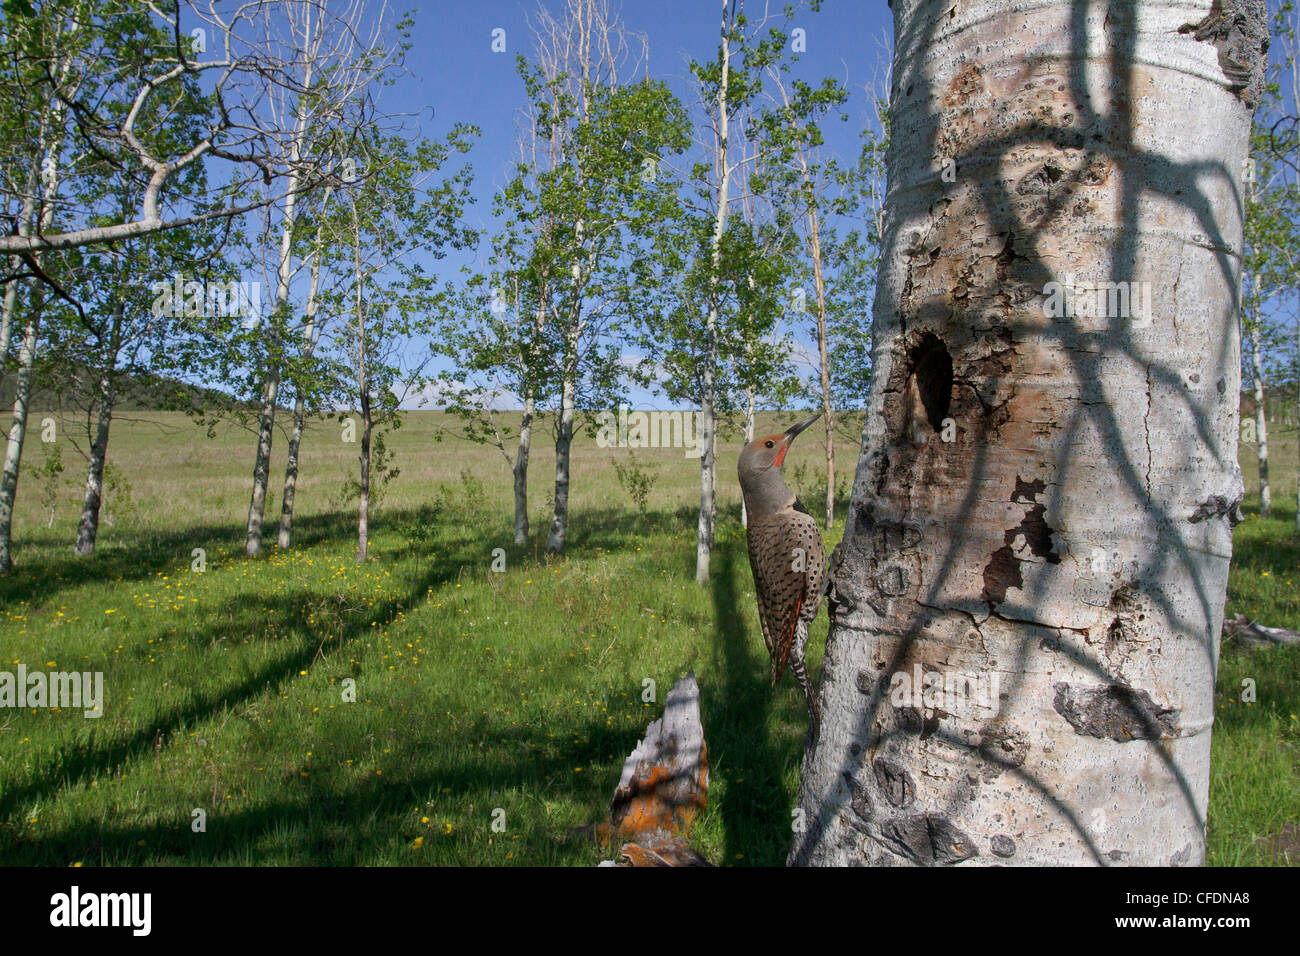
(520, 471)
(262, 464)
(828, 413)
(311, 334)
(749, 437)
(708, 377)
(18, 427)
(284, 536)
(563, 445)
(88, 526)
(1024, 621)
(49, 150)
(524, 452)
(284, 273)
(708, 469)
(1261, 424)
(8, 310)
(363, 504)
(568, 398)
(363, 394)
(813, 219)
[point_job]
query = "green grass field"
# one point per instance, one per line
(511, 696)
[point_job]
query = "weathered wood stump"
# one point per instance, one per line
(664, 785)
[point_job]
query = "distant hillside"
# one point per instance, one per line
(146, 392)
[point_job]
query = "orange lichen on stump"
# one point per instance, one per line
(664, 786)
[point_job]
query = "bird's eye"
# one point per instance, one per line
(770, 444)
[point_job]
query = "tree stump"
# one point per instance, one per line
(664, 785)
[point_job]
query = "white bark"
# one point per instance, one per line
(88, 526)
(563, 444)
(363, 500)
(812, 222)
(8, 311)
(708, 376)
(519, 469)
(1261, 423)
(18, 428)
(581, 49)
(363, 392)
(49, 146)
(1073, 541)
(311, 335)
(284, 273)
(749, 437)
(708, 466)
(828, 413)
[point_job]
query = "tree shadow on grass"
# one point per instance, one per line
(338, 823)
(756, 807)
(152, 551)
(246, 615)
(325, 820)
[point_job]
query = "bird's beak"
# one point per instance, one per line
(794, 430)
(790, 434)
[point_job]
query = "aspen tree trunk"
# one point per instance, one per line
(708, 464)
(749, 437)
(311, 335)
(284, 537)
(363, 503)
(828, 413)
(563, 446)
(813, 219)
(1060, 565)
(520, 471)
(88, 526)
(568, 398)
(708, 378)
(49, 148)
(10, 307)
(1261, 424)
(284, 273)
(363, 394)
(18, 427)
(525, 449)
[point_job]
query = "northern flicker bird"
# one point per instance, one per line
(786, 555)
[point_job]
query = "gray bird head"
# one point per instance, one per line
(760, 469)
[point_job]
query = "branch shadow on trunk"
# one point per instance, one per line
(899, 604)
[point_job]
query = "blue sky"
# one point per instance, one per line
(455, 72)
